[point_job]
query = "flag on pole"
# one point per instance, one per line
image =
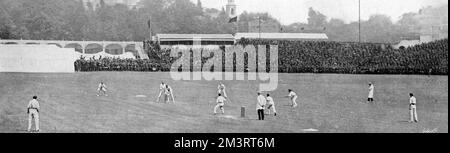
(233, 20)
(149, 24)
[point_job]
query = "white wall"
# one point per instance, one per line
(37, 59)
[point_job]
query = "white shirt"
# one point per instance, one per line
(270, 100)
(221, 99)
(261, 102)
(33, 104)
(292, 94)
(371, 88)
(162, 86)
(101, 86)
(412, 100)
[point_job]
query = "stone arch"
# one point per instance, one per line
(114, 49)
(93, 48)
(55, 44)
(131, 48)
(78, 47)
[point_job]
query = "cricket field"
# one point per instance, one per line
(328, 103)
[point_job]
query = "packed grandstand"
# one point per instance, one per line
(308, 57)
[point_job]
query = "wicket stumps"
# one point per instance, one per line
(243, 111)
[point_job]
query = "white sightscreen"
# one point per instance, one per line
(36, 59)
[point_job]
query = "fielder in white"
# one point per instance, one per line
(220, 103)
(293, 97)
(102, 89)
(33, 112)
(413, 108)
(271, 105)
(162, 88)
(168, 91)
(371, 89)
(221, 90)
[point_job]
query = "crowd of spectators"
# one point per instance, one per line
(358, 58)
(116, 64)
(309, 57)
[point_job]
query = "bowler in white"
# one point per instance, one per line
(220, 103)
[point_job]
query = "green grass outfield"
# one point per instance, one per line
(327, 102)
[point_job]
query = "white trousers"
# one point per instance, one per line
(160, 94)
(272, 107)
(102, 90)
(219, 105)
(33, 114)
(294, 101)
(413, 114)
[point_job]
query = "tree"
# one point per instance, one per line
(199, 4)
(5, 24)
(102, 3)
(336, 28)
(316, 19)
(379, 28)
(71, 19)
(408, 19)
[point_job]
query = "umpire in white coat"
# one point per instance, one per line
(260, 105)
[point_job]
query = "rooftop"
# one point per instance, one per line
(190, 37)
(308, 36)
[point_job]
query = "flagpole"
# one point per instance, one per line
(150, 28)
(359, 21)
(259, 21)
(237, 25)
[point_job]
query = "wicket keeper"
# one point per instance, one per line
(221, 90)
(168, 91)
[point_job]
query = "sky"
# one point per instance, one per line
(292, 11)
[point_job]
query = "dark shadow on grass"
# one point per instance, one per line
(254, 119)
(403, 121)
(21, 130)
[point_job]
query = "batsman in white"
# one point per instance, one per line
(168, 91)
(220, 103)
(293, 97)
(271, 104)
(162, 88)
(33, 112)
(102, 89)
